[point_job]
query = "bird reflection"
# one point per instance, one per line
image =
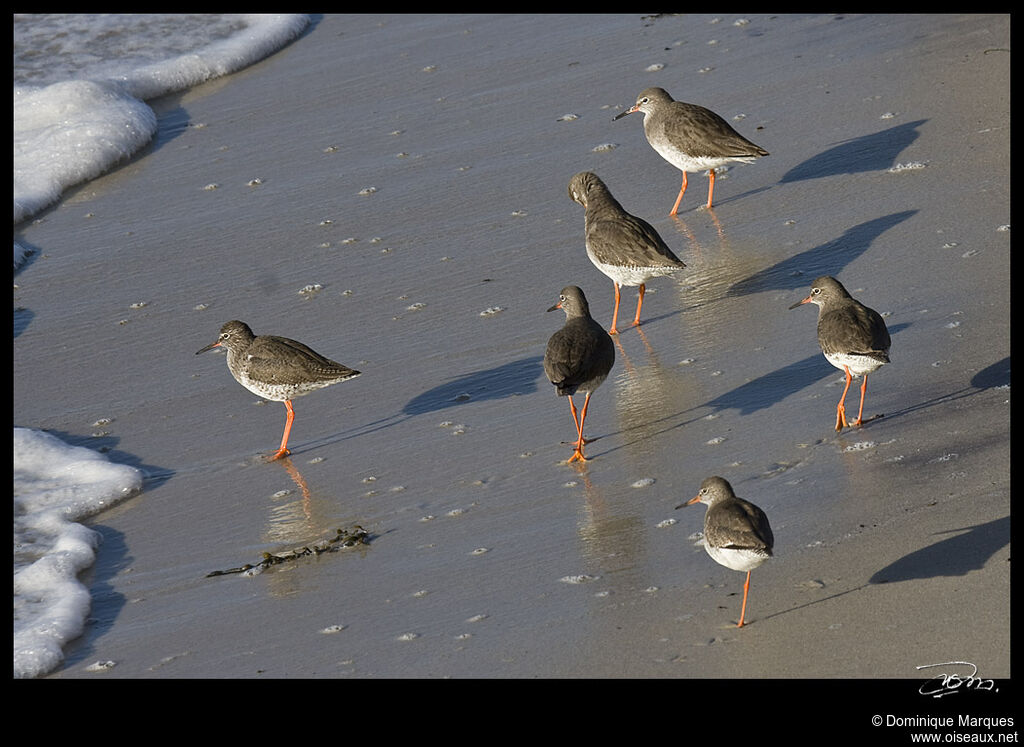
(646, 391)
(606, 533)
(302, 518)
(684, 229)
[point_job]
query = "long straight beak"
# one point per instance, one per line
(211, 346)
(689, 502)
(800, 303)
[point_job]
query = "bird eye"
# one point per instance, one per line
(815, 291)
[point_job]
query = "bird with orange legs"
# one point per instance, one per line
(578, 358)
(736, 532)
(690, 137)
(277, 369)
(624, 247)
(852, 337)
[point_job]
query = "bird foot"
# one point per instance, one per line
(576, 456)
(279, 454)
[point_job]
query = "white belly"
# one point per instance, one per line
(737, 560)
(858, 364)
(685, 162)
(279, 392)
(630, 275)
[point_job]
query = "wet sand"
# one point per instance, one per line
(411, 220)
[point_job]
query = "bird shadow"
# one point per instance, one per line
(874, 152)
(953, 556)
(995, 375)
(825, 259)
(772, 387)
(725, 199)
(992, 376)
(507, 380)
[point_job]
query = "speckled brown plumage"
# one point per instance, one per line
(277, 368)
(624, 247)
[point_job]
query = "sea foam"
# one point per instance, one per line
(71, 130)
(55, 486)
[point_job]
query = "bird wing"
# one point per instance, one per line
(739, 525)
(702, 133)
(611, 238)
(854, 328)
(572, 351)
(282, 360)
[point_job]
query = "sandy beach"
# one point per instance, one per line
(392, 192)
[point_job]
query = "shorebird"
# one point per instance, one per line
(853, 337)
(276, 369)
(690, 137)
(736, 532)
(578, 357)
(624, 247)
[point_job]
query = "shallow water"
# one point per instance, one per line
(490, 556)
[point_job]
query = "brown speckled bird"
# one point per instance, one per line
(853, 337)
(690, 137)
(736, 532)
(578, 357)
(277, 369)
(624, 247)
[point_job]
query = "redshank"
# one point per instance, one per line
(578, 357)
(625, 248)
(736, 532)
(690, 137)
(853, 337)
(277, 369)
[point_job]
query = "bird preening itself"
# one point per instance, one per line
(736, 532)
(578, 357)
(852, 337)
(690, 137)
(624, 247)
(277, 369)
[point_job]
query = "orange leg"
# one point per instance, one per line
(679, 199)
(615, 315)
(743, 611)
(711, 185)
(282, 451)
(639, 303)
(576, 422)
(841, 407)
(578, 453)
(300, 481)
(863, 391)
